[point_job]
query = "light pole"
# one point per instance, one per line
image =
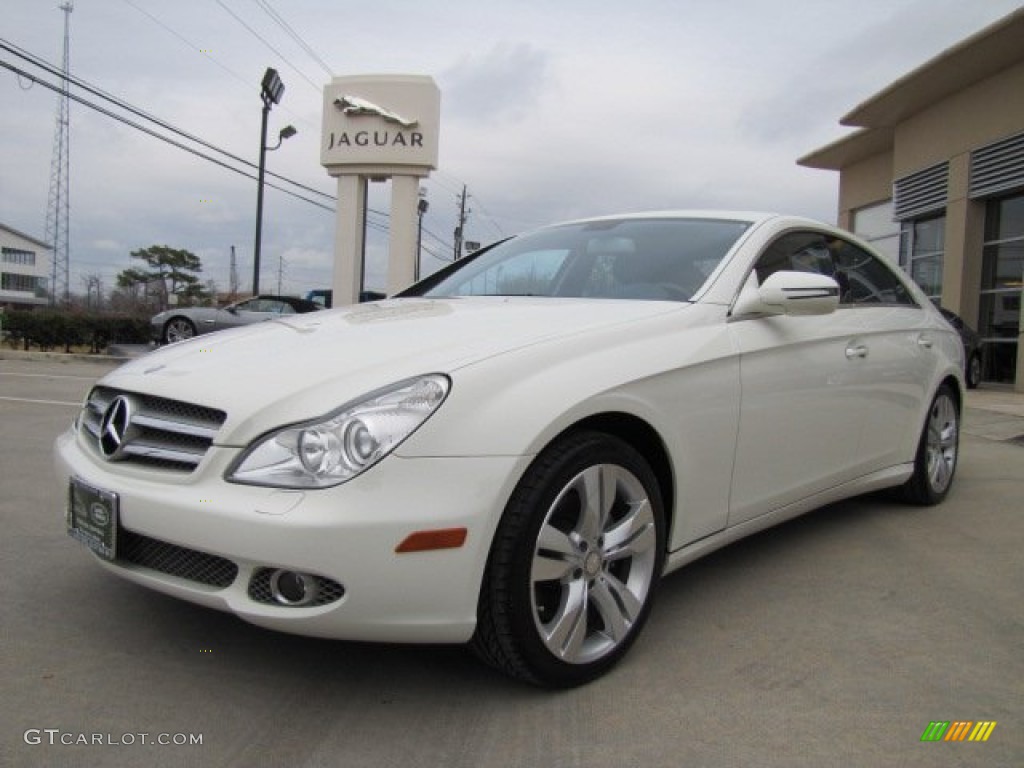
(421, 208)
(271, 90)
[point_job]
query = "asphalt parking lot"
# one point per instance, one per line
(833, 640)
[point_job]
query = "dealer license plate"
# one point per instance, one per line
(92, 518)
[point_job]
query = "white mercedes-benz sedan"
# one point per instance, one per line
(512, 452)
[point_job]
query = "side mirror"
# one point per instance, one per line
(788, 293)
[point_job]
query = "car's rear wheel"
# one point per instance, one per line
(973, 373)
(937, 452)
(178, 329)
(574, 563)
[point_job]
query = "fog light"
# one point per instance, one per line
(293, 588)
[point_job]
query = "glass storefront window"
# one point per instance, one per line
(876, 225)
(926, 271)
(922, 247)
(1002, 281)
(1005, 219)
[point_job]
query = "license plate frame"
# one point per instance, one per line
(92, 518)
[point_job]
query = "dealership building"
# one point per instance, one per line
(934, 178)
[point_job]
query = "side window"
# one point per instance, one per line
(797, 252)
(865, 279)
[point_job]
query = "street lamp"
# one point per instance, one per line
(271, 90)
(421, 208)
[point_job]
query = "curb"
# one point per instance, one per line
(61, 357)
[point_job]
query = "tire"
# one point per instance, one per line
(937, 451)
(973, 373)
(574, 564)
(178, 329)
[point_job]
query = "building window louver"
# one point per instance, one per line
(997, 168)
(920, 193)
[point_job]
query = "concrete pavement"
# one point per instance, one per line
(995, 413)
(833, 640)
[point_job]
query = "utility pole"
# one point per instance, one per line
(233, 276)
(280, 272)
(463, 213)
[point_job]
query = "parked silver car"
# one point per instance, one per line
(972, 347)
(180, 323)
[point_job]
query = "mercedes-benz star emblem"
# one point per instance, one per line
(117, 420)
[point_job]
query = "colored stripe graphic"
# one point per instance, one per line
(982, 730)
(958, 730)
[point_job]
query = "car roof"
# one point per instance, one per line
(754, 218)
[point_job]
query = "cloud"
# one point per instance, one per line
(549, 111)
(500, 86)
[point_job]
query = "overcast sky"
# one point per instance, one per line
(549, 110)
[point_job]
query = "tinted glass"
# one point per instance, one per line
(1005, 219)
(863, 278)
(652, 259)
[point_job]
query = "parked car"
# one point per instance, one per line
(180, 323)
(513, 452)
(972, 347)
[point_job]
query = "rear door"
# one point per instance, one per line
(898, 357)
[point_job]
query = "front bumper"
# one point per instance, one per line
(346, 535)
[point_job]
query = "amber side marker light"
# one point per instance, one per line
(424, 541)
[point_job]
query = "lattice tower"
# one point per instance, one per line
(58, 209)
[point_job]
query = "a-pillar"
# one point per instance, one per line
(348, 240)
(402, 243)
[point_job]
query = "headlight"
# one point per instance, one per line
(343, 444)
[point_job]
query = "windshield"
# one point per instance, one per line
(653, 259)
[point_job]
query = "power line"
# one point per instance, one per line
(96, 91)
(122, 104)
(161, 137)
(279, 20)
(259, 37)
(188, 43)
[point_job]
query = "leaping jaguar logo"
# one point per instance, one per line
(353, 105)
(115, 427)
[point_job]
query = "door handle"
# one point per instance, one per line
(924, 342)
(856, 350)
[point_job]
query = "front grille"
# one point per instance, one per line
(162, 433)
(327, 590)
(173, 560)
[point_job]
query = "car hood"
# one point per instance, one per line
(301, 367)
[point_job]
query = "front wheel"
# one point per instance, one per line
(574, 563)
(178, 329)
(937, 451)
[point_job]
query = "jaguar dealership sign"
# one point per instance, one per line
(385, 123)
(378, 127)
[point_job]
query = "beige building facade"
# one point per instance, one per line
(934, 178)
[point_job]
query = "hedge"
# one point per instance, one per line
(50, 329)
